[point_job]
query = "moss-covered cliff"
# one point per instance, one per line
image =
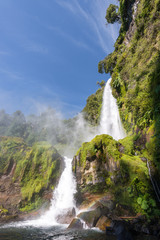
(92, 110)
(108, 167)
(119, 170)
(135, 69)
(28, 175)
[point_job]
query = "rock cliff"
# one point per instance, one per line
(28, 176)
(113, 182)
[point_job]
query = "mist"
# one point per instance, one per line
(66, 135)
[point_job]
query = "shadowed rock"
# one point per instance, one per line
(121, 231)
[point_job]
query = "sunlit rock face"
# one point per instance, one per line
(28, 176)
(108, 168)
(97, 162)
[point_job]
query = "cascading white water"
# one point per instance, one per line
(63, 198)
(110, 122)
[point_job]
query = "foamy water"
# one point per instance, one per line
(63, 199)
(110, 122)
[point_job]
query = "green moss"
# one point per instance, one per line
(102, 145)
(92, 110)
(36, 168)
(3, 211)
(129, 144)
(32, 205)
(128, 182)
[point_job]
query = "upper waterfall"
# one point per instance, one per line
(110, 122)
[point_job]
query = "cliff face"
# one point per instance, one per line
(118, 170)
(28, 176)
(110, 168)
(135, 69)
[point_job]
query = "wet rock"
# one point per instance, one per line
(103, 222)
(67, 216)
(76, 224)
(107, 203)
(91, 217)
(121, 231)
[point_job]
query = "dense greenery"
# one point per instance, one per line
(35, 169)
(112, 15)
(135, 69)
(92, 110)
(121, 173)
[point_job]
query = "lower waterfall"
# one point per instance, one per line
(63, 196)
(62, 200)
(110, 122)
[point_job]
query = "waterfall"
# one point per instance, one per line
(62, 200)
(63, 195)
(110, 122)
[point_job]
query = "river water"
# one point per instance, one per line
(58, 233)
(50, 233)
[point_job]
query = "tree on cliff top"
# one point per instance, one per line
(112, 14)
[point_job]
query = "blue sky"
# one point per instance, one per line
(49, 53)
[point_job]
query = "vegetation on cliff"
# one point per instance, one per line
(135, 69)
(32, 172)
(108, 166)
(92, 110)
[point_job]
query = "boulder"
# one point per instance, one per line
(76, 223)
(66, 216)
(90, 217)
(103, 222)
(122, 231)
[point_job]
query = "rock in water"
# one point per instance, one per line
(76, 224)
(66, 216)
(121, 231)
(103, 222)
(90, 217)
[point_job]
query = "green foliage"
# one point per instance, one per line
(102, 145)
(136, 72)
(112, 14)
(3, 211)
(36, 168)
(92, 110)
(129, 144)
(102, 83)
(128, 182)
(107, 64)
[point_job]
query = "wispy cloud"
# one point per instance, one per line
(11, 75)
(65, 4)
(36, 48)
(94, 16)
(77, 42)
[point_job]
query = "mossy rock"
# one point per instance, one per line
(105, 165)
(31, 173)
